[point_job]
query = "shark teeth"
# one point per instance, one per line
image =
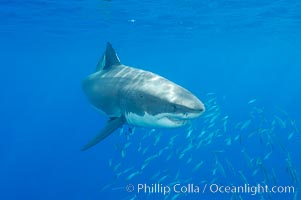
(177, 120)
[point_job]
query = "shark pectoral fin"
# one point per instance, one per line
(112, 125)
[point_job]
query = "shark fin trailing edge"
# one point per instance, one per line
(108, 59)
(111, 126)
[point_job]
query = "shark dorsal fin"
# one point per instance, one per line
(108, 59)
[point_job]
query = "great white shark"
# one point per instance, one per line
(137, 97)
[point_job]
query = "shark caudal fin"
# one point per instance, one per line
(108, 59)
(111, 126)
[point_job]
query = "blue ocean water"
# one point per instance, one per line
(242, 58)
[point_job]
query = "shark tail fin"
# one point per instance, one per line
(112, 125)
(108, 59)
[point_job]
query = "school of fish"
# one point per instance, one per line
(217, 148)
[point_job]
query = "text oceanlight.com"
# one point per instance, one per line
(157, 188)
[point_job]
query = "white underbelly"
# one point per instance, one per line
(151, 121)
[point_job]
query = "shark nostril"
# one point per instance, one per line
(174, 108)
(199, 110)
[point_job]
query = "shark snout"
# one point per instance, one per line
(190, 108)
(198, 106)
(195, 109)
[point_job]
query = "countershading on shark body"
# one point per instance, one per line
(137, 97)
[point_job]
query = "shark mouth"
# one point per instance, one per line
(177, 120)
